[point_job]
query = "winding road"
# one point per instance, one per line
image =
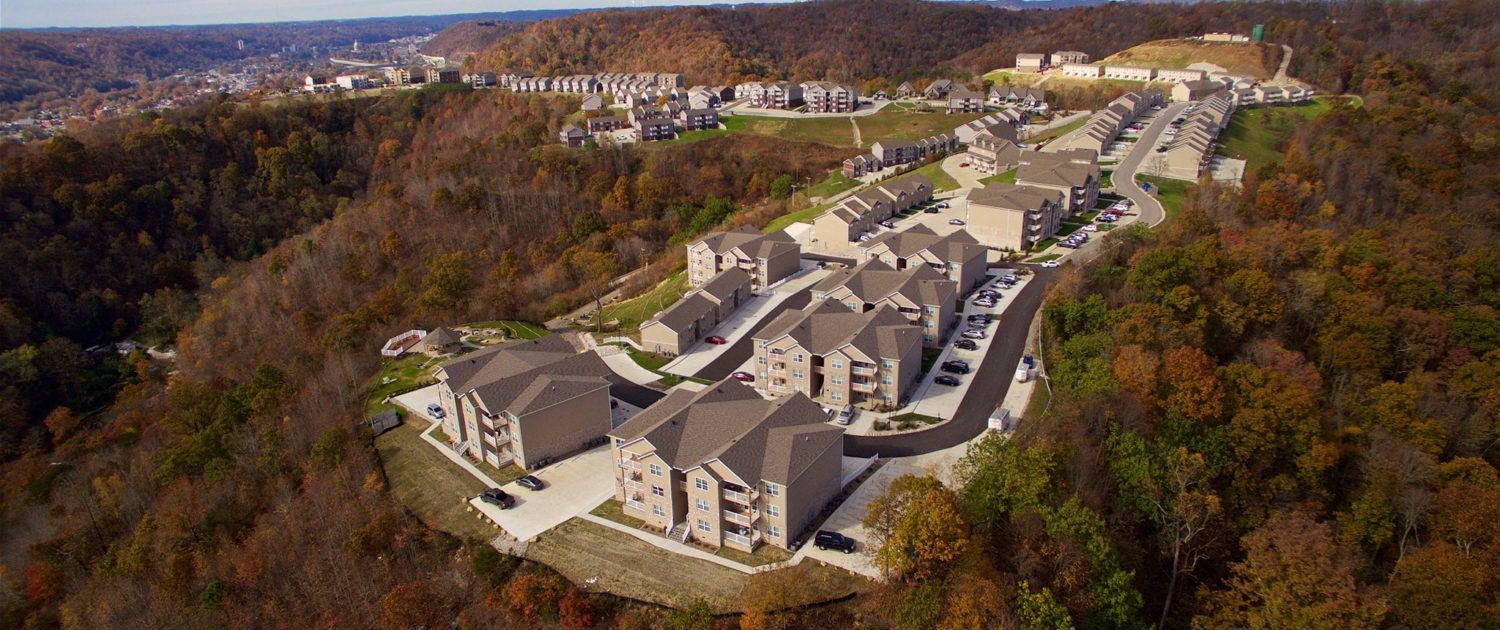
(1150, 209)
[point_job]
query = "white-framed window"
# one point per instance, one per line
(655, 469)
(700, 483)
(837, 380)
(837, 395)
(796, 373)
(885, 380)
(953, 265)
(836, 364)
(796, 357)
(929, 310)
(760, 360)
(703, 526)
(656, 509)
(853, 306)
(773, 531)
(702, 505)
(619, 443)
(773, 510)
(773, 489)
(887, 364)
(658, 491)
(760, 343)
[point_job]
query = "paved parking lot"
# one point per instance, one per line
(744, 320)
(574, 485)
(416, 402)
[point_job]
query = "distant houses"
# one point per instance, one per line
(767, 258)
(1031, 62)
(1006, 124)
(1191, 150)
(839, 227)
(888, 153)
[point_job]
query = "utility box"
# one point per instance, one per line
(1000, 420)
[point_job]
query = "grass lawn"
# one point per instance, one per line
(832, 185)
(630, 313)
(615, 511)
(686, 137)
(1106, 179)
(934, 173)
(1009, 77)
(893, 124)
(654, 362)
(625, 565)
(429, 484)
(1044, 258)
(1040, 397)
(763, 555)
(1256, 134)
(1043, 244)
(805, 215)
(915, 417)
(1171, 193)
(1058, 131)
(517, 329)
(1258, 59)
(833, 130)
(1065, 228)
(929, 358)
(1007, 177)
(398, 375)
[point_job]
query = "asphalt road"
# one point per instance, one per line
(638, 395)
(1124, 177)
(740, 352)
(988, 385)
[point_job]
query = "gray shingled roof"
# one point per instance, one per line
(873, 281)
(957, 246)
(1012, 196)
(440, 337)
(725, 283)
(526, 374)
(823, 327)
(679, 316)
(1056, 169)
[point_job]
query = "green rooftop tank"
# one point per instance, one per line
(1258, 33)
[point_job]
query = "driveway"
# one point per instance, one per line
(416, 401)
(747, 318)
(740, 351)
(1151, 212)
(574, 485)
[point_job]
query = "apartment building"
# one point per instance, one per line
(1010, 117)
(1014, 216)
(479, 79)
(1072, 172)
(840, 356)
(1031, 62)
(1269, 95)
(843, 224)
(443, 75)
(895, 152)
(962, 100)
(1195, 90)
(352, 81)
(606, 124)
(991, 154)
(704, 118)
(677, 328)
(778, 95)
(572, 136)
(826, 97)
(938, 89)
(957, 255)
(1129, 73)
(860, 165)
(1107, 123)
(524, 402)
(768, 258)
(1179, 75)
(398, 76)
(592, 103)
(923, 295)
(1069, 56)
(657, 127)
(1191, 151)
(1082, 70)
(532, 84)
(751, 90)
(511, 78)
(725, 467)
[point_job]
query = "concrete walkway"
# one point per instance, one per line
(457, 459)
(619, 360)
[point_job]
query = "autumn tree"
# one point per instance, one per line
(916, 527)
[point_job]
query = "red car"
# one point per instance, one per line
(963, 165)
(716, 340)
(743, 376)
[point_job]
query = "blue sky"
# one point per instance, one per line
(42, 13)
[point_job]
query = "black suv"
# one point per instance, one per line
(955, 367)
(946, 380)
(496, 496)
(966, 344)
(833, 540)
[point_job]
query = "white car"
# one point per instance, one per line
(955, 221)
(1051, 264)
(973, 334)
(1090, 228)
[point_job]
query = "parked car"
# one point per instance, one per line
(846, 415)
(974, 334)
(990, 293)
(1090, 228)
(1022, 374)
(981, 317)
(826, 540)
(743, 377)
(955, 221)
(715, 339)
(955, 367)
(943, 205)
(1010, 277)
(984, 302)
(498, 497)
(435, 411)
(950, 381)
(887, 224)
(930, 210)
(966, 344)
(530, 482)
(1051, 264)
(1028, 361)
(864, 237)
(963, 165)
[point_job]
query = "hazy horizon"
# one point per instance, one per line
(32, 14)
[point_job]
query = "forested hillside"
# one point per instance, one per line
(1284, 409)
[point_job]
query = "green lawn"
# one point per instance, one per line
(763, 555)
(689, 136)
(805, 215)
(832, 185)
(941, 180)
(1107, 179)
(1006, 77)
(654, 362)
(429, 484)
(398, 375)
(1172, 194)
(1256, 134)
(630, 313)
(517, 329)
(893, 124)
(1007, 177)
(834, 130)
(1043, 244)
(915, 418)
(929, 358)
(615, 511)
(1058, 131)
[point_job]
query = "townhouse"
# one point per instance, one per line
(1014, 216)
(860, 165)
(840, 356)
(1069, 56)
(1129, 73)
(677, 328)
(778, 95)
(725, 467)
(1195, 90)
(699, 118)
(1179, 75)
(532, 84)
(1082, 71)
(524, 402)
(1191, 151)
(1107, 123)
(826, 97)
(1025, 97)
(768, 258)
(443, 75)
(843, 224)
(572, 136)
(652, 124)
(479, 79)
(991, 154)
(606, 124)
(1073, 172)
(511, 78)
(894, 152)
(956, 255)
(938, 89)
(1011, 118)
(962, 100)
(592, 103)
(1031, 62)
(926, 298)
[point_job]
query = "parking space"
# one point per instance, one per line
(849, 518)
(743, 321)
(416, 402)
(620, 411)
(573, 485)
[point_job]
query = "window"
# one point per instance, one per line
(796, 357)
(929, 310)
(619, 443)
(760, 342)
(657, 490)
(701, 483)
(773, 510)
(773, 489)
(760, 360)
(702, 505)
(656, 509)
(774, 532)
(703, 526)
(655, 469)
(885, 380)
(836, 364)
(837, 395)
(853, 306)
(953, 265)
(887, 364)
(796, 373)
(838, 380)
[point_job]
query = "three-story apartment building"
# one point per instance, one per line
(1072, 172)
(956, 256)
(725, 467)
(768, 258)
(1013, 216)
(840, 356)
(924, 296)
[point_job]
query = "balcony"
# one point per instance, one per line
(633, 485)
(630, 464)
(742, 518)
(863, 386)
(635, 504)
(861, 368)
(740, 539)
(743, 498)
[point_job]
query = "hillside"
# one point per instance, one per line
(1255, 59)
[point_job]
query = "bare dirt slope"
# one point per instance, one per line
(1255, 59)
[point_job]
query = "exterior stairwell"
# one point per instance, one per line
(679, 532)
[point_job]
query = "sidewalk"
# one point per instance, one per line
(702, 353)
(457, 459)
(619, 360)
(677, 547)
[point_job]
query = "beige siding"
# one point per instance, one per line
(561, 429)
(659, 338)
(806, 495)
